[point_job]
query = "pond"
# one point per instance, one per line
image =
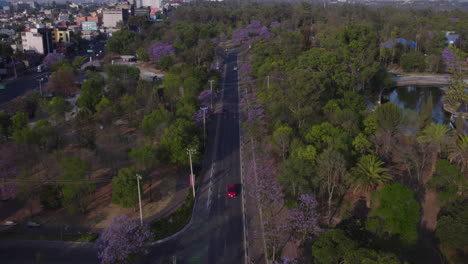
(412, 97)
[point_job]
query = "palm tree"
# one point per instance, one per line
(369, 173)
(436, 136)
(459, 152)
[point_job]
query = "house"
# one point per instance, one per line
(451, 37)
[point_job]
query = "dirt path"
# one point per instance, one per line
(430, 210)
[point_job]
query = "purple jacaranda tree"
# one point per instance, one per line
(275, 24)
(123, 240)
(51, 58)
(264, 33)
(240, 35)
(303, 220)
(205, 97)
(449, 59)
(9, 155)
(286, 260)
(157, 50)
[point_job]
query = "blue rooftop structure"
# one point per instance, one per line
(390, 44)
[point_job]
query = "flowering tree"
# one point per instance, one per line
(52, 58)
(205, 98)
(303, 219)
(157, 50)
(8, 170)
(286, 260)
(449, 59)
(123, 240)
(275, 24)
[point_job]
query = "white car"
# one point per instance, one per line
(235, 68)
(33, 224)
(10, 223)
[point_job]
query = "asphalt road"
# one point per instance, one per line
(216, 234)
(216, 231)
(20, 86)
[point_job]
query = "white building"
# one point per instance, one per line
(110, 17)
(38, 40)
(147, 3)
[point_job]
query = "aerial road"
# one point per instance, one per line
(216, 232)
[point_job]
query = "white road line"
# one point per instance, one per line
(215, 145)
(244, 222)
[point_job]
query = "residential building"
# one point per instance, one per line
(81, 19)
(111, 17)
(61, 35)
(143, 11)
(38, 40)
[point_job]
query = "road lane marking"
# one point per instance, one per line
(244, 222)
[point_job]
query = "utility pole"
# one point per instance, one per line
(138, 176)
(204, 109)
(191, 151)
(40, 85)
(14, 66)
(211, 88)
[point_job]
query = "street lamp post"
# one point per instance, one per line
(191, 151)
(40, 85)
(211, 88)
(138, 176)
(204, 109)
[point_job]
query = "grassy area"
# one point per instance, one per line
(171, 224)
(51, 237)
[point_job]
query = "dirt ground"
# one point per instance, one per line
(166, 186)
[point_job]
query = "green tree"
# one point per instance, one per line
(451, 227)
(395, 214)
(91, 93)
(281, 138)
(172, 84)
(362, 145)
(18, 121)
(449, 182)
(298, 169)
(5, 123)
(413, 61)
(78, 61)
(369, 256)
(125, 189)
(332, 175)
(76, 183)
(144, 156)
(370, 173)
(389, 118)
(458, 152)
(332, 247)
(50, 196)
(57, 108)
(156, 122)
(436, 136)
(121, 42)
(180, 135)
(425, 116)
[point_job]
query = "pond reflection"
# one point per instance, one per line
(413, 97)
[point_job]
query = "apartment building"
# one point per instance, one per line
(61, 35)
(38, 40)
(110, 17)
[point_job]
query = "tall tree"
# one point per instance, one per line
(332, 174)
(123, 241)
(458, 152)
(76, 183)
(396, 215)
(370, 173)
(125, 189)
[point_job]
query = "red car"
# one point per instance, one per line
(231, 191)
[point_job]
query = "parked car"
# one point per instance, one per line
(10, 223)
(33, 224)
(41, 68)
(231, 191)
